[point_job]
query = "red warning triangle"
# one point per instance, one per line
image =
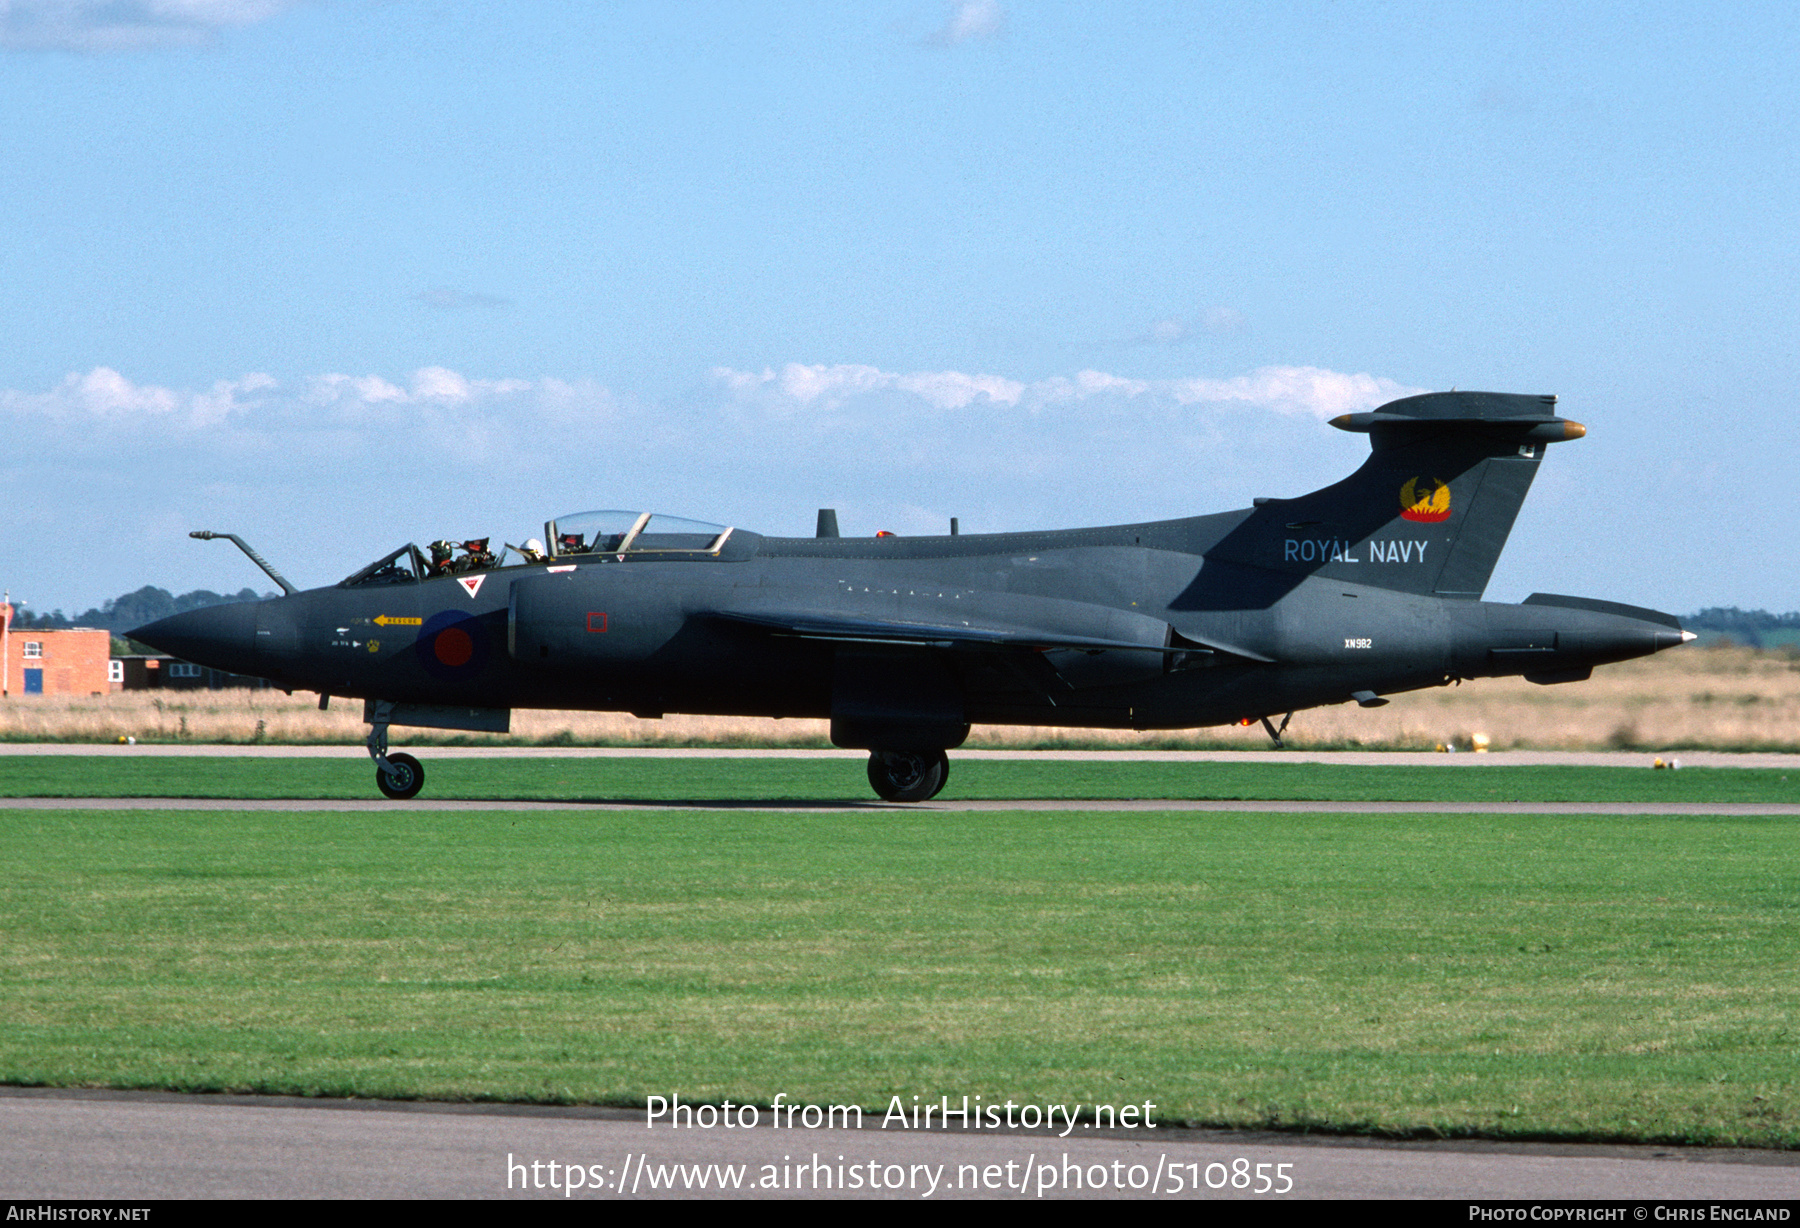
(471, 583)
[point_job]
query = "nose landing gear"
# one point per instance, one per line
(397, 776)
(402, 778)
(908, 776)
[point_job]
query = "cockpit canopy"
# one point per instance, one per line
(617, 532)
(596, 533)
(404, 566)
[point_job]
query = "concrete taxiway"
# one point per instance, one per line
(123, 1145)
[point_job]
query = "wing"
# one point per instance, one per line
(1115, 631)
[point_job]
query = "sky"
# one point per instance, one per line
(342, 274)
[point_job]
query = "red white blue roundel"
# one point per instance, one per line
(451, 644)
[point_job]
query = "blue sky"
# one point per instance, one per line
(338, 275)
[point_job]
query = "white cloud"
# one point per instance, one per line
(110, 397)
(106, 393)
(438, 385)
(325, 472)
(125, 25)
(954, 390)
(969, 19)
(1285, 390)
(440, 404)
(436, 411)
(367, 389)
(818, 386)
(1292, 390)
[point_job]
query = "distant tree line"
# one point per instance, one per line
(1747, 627)
(133, 610)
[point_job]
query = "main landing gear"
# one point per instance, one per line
(908, 776)
(397, 776)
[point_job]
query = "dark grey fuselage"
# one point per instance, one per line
(771, 627)
(1364, 588)
(1367, 587)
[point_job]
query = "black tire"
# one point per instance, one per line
(943, 774)
(908, 776)
(404, 777)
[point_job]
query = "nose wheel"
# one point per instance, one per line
(402, 778)
(908, 776)
(397, 776)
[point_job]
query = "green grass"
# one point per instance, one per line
(1522, 976)
(813, 780)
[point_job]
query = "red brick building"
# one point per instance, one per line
(57, 662)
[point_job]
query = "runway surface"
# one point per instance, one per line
(92, 1145)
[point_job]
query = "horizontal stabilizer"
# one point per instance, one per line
(1526, 418)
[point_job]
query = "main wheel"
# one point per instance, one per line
(404, 777)
(908, 776)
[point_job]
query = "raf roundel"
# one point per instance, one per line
(451, 644)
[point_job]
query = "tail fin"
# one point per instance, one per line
(1431, 508)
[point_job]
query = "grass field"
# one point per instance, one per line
(824, 780)
(1716, 698)
(1596, 978)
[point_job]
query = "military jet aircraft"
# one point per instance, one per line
(1351, 593)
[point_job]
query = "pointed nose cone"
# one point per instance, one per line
(1606, 639)
(219, 636)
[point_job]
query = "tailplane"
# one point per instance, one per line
(1428, 512)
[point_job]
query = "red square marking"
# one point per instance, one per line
(596, 622)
